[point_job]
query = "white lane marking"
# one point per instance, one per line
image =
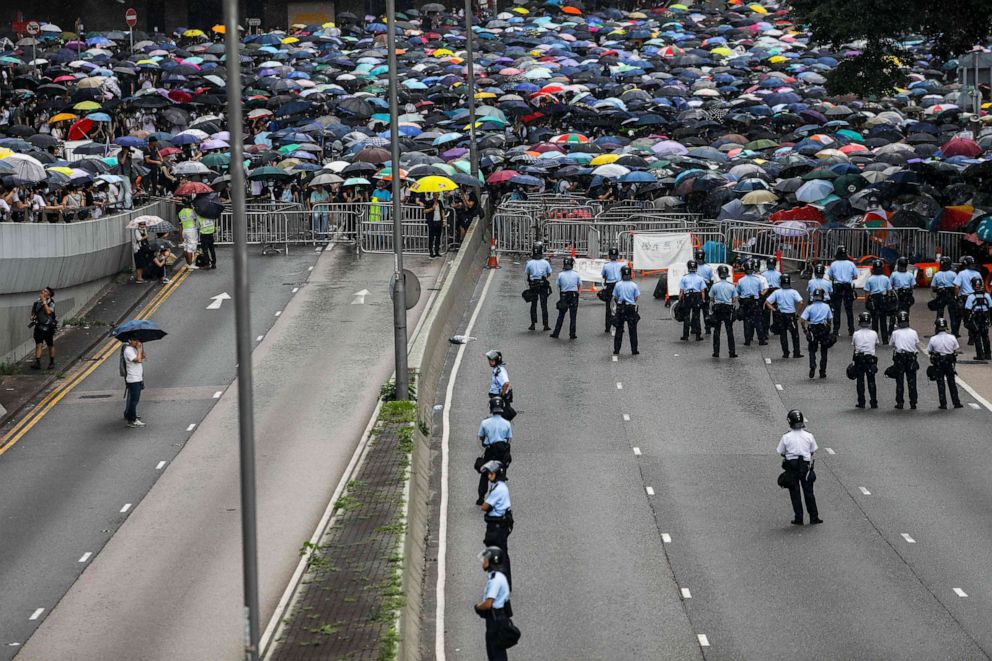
(218, 300)
(768, 361)
(615, 358)
(259, 338)
(126, 507)
(160, 465)
(218, 394)
(909, 540)
(685, 593)
(864, 491)
(626, 418)
(86, 556)
(278, 312)
(649, 490)
(35, 615)
(442, 532)
(191, 427)
(973, 405)
(666, 538)
(676, 355)
(619, 386)
(778, 386)
(296, 289)
(959, 592)
(358, 298)
(703, 640)
(830, 450)
(637, 451)
(309, 268)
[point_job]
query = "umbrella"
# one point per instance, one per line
(143, 330)
(433, 184)
(814, 190)
(25, 168)
(325, 179)
(147, 221)
(193, 188)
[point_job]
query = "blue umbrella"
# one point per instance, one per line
(637, 177)
(525, 180)
(143, 330)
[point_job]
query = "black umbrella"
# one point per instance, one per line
(143, 330)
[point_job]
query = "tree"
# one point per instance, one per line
(881, 27)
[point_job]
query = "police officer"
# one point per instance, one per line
(797, 447)
(750, 289)
(611, 276)
(786, 302)
(499, 385)
(876, 289)
(818, 281)
(692, 295)
(842, 273)
(943, 348)
(495, 602)
(962, 289)
(538, 270)
(723, 296)
(496, 511)
(904, 363)
(978, 307)
(626, 294)
(495, 434)
(568, 298)
(207, 228)
(706, 273)
(903, 282)
(944, 302)
(816, 321)
(773, 281)
(865, 362)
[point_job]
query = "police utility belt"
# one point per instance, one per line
(628, 311)
(505, 521)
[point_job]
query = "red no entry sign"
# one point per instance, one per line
(131, 16)
(33, 28)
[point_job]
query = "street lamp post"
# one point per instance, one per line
(470, 79)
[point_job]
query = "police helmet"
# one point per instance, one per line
(691, 265)
(614, 253)
(625, 272)
(902, 264)
(978, 284)
(817, 295)
(747, 267)
(940, 325)
(494, 467)
(902, 319)
(699, 255)
(786, 281)
(864, 319)
(841, 252)
(945, 263)
(819, 270)
(537, 251)
(770, 263)
(568, 263)
(495, 556)
(876, 267)
(492, 354)
(496, 405)
(968, 261)
(796, 419)
(722, 271)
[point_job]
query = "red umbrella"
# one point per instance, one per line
(961, 147)
(799, 213)
(180, 96)
(193, 188)
(501, 176)
(80, 129)
(952, 219)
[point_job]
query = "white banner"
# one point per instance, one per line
(661, 251)
(591, 270)
(676, 272)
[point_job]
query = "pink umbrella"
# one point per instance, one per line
(207, 145)
(669, 148)
(501, 176)
(961, 147)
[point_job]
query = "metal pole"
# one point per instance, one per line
(399, 286)
(470, 63)
(242, 317)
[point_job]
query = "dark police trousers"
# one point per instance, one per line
(723, 315)
(906, 299)
(879, 317)
(570, 301)
(626, 313)
(543, 289)
(764, 328)
(866, 365)
(906, 367)
(788, 325)
(946, 300)
(801, 467)
(207, 245)
(494, 451)
(945, 375)
(609, 299)
(816, 340)
(694, 305)
(980, 331)
(752, 319)
(493, 651)
(498, 534)
(843, 296)
(962, 313)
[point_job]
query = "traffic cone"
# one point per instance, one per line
(493, 261)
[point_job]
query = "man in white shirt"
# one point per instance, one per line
(943, 348)
(904, 364)
(865, 362)
(797, 447)
(133, 358)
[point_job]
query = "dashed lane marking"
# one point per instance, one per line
(619, 386)
(864, 491)
(296, 289)
(35, 615)
(778, 386)
(649, 490)
(685, 593)
(615, 358)
(86, 556)
(160, 465)
(703, 640)
(666, 538)
(637, 451)
(259, 338)
(909, 540)
(974, 405)
(218, 394)
(126, 507)
(626, 418)
(959, 592)
(278, 312)
(191, 427)
(768, 361)
(830, 450)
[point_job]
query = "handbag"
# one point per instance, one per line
(529, 295)
(509, 413)
(787, 479)
(603, 295)
(852, 371)
(507, 633)
(811, 474)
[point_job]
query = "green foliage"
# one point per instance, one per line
(387, 392)
(406, 440)
(402, 411)
(9, 369)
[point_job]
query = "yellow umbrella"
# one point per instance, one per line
(443, 52)
(520, 10)
(63, 117)
(151, 63)
(4, 152)
(678, 6)
(778, 59)
(433, 184)
(760, 197)
(290, 40)
(757, 9)
(328, 24)
(61, 169)
(219, 29)
(603, 159)
(87, 105)
(637, 15)
(194, 33)
(722, 50)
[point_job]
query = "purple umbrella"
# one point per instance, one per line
(452, 154)
(213, 144)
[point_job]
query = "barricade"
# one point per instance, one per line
(564, 237)
(789, 244)
(376, 236)
(514, 231)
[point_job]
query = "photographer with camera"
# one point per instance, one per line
(44, 322)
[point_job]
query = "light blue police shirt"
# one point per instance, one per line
(500, 377)
(943, 279)
(626, 291)
(974, 298)
(497, 589)
(749, 287)
(785, 299)
(963, 280)
(495, 429)
(878, 284)
(817, 313)
(692, 282)
(773, 277)
(705, 271)
(569, 281)
(722, 292)
(902, 280)
(537, 269)
(820, 283)
(498, 499)
(842, 271)
(611, 271)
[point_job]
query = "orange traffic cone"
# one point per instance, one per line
(493, 261)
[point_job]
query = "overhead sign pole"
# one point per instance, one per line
(131, 17)
(33, 29)
(242, 321)
(470, 62)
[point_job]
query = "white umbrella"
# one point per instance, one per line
(325, 179)
(190, 167)
(610, 170)
(26, 168)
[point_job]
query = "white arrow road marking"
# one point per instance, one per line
(359, 297)
(216, 301)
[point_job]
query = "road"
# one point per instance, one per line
(649, 524)
(147, 519)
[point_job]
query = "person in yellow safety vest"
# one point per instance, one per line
(207, 229)
(187, 218)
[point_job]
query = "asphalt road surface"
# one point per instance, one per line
(649, 524)
(167, 582)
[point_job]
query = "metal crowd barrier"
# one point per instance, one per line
(564, 237)
(514, 231)
(791, 244)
